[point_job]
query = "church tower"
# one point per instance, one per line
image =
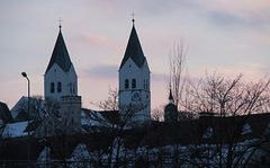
(134, 82)
(61, 87)
(60, 76)
(170, 111)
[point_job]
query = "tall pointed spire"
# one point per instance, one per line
(134, 49)
(171, 97)
(60, 54)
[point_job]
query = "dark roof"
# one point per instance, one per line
(134, 50)
(5, 114)
(21, 109)
(60, 54)
(225, 130)
(111, 116)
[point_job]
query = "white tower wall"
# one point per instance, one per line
(67, 80)
(140, 96)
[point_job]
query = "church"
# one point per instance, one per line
(62, 107)
(58, 132)
(61, 83)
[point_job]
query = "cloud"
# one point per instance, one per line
(239, 6)
(94, 39)
(102, 71)
(223, 18)
(111, 71)
(246, 12)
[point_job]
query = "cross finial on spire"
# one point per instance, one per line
(133, 17)
(60, 21)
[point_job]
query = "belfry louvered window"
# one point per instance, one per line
(133, 83)
(126, 84)
(52, 89)
(59, 87)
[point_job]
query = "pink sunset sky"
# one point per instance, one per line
(226, 36)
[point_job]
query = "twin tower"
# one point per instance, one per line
(61, 82)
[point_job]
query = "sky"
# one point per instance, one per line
(225, 36)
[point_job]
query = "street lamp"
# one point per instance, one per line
(28, 83)
(28, 115)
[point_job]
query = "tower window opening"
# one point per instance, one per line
(70, 88)
(73, 89)
(126, 84)
(133, 83)
(144, 84)
(59, 87)
(52, 89)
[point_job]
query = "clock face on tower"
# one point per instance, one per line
(136, 97)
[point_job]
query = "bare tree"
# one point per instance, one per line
(177, 81)
(227, 97)
(111, 103)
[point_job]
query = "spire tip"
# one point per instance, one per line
(60, 25)
(133, 18)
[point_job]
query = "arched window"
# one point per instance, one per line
(144, 84)
(59, 87)
(52, 89)
(133, 83)
(70, 86)
(73, 89)
(126, 84)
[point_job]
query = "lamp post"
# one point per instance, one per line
(28, 116)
